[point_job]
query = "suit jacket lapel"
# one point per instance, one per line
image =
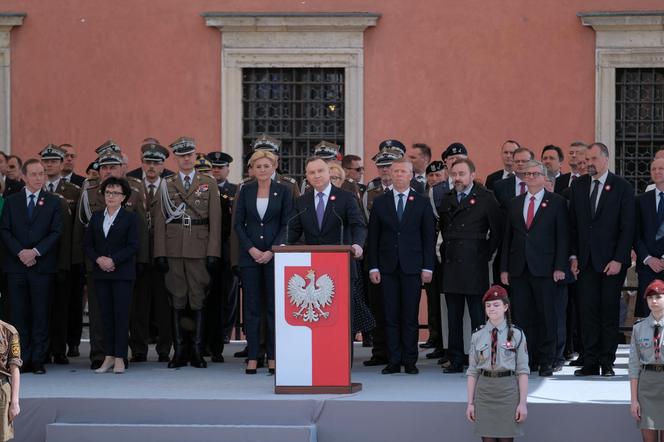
(271, 201)
(651, 206)
(518, 209)
(310, 204)
(194, 185)
(114, 227)
(179, 186)
(39, 202)
(608, 187)
(392, 208)
(252, 195)
(543, 206)
(331, 200)
(407, 206)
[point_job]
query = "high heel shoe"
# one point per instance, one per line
(119, 367)
(105, 366)
(272, 369)
(250, 370)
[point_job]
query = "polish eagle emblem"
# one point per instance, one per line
(311, 297)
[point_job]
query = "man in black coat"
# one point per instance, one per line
(401, 254)
(534, 258)
(68, 173)
(30, 228)
(507, 157)
(513, 186)
(471, 224)
(9, 185)
(575, 156)
(601, 236)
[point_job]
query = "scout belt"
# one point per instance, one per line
(191, 222)
(497, 373)
(653, 367)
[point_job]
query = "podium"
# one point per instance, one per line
(312, 319)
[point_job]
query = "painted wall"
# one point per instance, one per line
(437, 71)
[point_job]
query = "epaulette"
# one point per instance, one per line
(479, 328)
(92, 183)
(171, 178)
(639, 320)
(289, 179)
(69, 183)
(59, 196)
(135, 189)
(246, 180)
(134, 179)
(350, 180)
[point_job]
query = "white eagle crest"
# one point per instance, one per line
(313, 298)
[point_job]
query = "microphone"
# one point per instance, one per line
(341, 221)
(291, 219)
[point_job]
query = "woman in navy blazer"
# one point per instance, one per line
(261, 215)
(111, 242)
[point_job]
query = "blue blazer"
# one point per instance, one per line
(121, 244)
(41, 231)
(408, 246)
(646, 230)
(252, 231)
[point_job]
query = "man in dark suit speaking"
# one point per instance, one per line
(30, 228)
(401, 254)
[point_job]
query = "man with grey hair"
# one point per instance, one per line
(533, 261)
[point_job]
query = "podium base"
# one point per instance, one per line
(352, 388)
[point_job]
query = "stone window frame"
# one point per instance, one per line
(625, 39)
(290, 40)
(7, 21)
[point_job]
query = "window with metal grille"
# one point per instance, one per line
(299, 106)
(639, 122)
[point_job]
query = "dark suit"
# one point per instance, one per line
(114, 289)
(400, 250)
(505, 191)
(11, 186)
(418, 186)
(493, 178)
(562, 183)
(138, 173)
(530, 256)
(472, 230)
(258, 279)
(29, 288)
(595, 241)
(438, 192)
(646, 244)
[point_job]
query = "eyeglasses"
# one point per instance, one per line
(335, 178)
(110, 193)
(532, 174)
(356, 169)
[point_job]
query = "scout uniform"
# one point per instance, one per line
(646, 363)
(10, 354)
(69, 194)
(187, 232)
(496, 361)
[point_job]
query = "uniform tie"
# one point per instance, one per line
(494, 346)
(31, 205)
(320, 209)
(400, 206)
(658, 343)
(531, 212)
(50, 187)
(593, 198)
(187, 183)
(523, 187)
(460, 197)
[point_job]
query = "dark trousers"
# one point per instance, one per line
(75, 310)
(534, 310)
(573, 325)
(401, 297)
(60, 314)
(561, 300)
(114, 297)
(214, 323)
(150, 301)
(96, 326)
(30, 299)
(377, 307)
(433, 310)
(456, 303)
(599, 299)
(258, 291)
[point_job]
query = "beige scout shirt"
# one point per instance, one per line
(10, 348)
(511, 355)
(642, 348)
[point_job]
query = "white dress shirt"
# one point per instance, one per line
(27, 196)
(538, 200)
(55, 184)
(396, 198)
(108, 220)
(190, 175)
(517, 188)
(600, 188)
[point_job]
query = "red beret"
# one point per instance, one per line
(654, 288)
(495, 292)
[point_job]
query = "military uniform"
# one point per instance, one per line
(10, 354)
(188, 242)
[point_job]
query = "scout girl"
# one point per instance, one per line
(10, 379)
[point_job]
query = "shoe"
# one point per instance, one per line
(227, 339)
(608, 372)
(241, 354)
(453, 368)
(444, 361)
(391, 369)
(374, 362)
(587, 371)
(427, 344)
(178, 342)
(163, 358)
(558, 367)
(118, 370)
(578, 362)
(250, 370)
(197, 359)
(60, 359)
(410, 369)
(95, 364)
(139, 357)
(545, 372)
(272, 369)
(218, 357)
(436, 354)
(38, 369)
(73, 351)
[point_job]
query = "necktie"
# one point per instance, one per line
(531, 212)
(572, 178)
(460, 197)
(386, 189)
(50, 187)
(593, 198)
(187, 183)
(151, 190)
(660, 218)
(658, 343)
(400, 206)
(320, 209)
(31, 206)
(494, 346)
(523, 187)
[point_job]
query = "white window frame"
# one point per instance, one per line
(7, 22)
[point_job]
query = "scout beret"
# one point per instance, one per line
(326, 150)
(654, 288)
(266, 142)
(219, 159)
(454, 149)
(107, 146)
(154, 152)
(52, 152)
(495, 293)
(435, 166)
(183, 146)
(110, 159)
(392, 144)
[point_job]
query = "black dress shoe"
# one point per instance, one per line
(578, 362)
(139, 357)
(444, 361)
(587, 371)
(391, 369)
(608, 372)
(410, 369)
(272, 370)
(164, 358)
(250, 371)
(218, 357)
(427, 344)
(545, 372)
(453, 368)
(374, 362)
(38, 369)
(436, 354)
(95, 364)
(73, 352)
(60, 359)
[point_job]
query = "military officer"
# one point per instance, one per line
(149, 303)
(52, 158)
(187, 244)
(330, 152)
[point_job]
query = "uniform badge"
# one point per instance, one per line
(40, 202)
(411, 198)
(203, 188)
(129, 204)
(544, 204)
(333, 197)
(480, 357)
(275, 193)
(197, 202)
(15, 347)
(607, 188)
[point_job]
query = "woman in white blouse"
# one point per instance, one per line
(260, 218)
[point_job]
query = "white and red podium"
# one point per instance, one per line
(312, 319)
